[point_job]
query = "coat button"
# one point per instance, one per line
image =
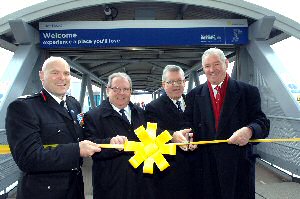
(74, 122)
(49, 187)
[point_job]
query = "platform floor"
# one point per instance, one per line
(269, 185)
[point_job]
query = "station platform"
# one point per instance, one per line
(269, 184)
(273, 185)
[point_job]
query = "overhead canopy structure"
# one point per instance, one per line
(143, 64)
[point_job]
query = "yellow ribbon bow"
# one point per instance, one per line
(150, 149)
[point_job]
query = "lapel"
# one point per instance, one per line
(54, 105)
(136, 119)
(72, 109)
(230, 102)
(109, 111)
(169, 105)
(206, 110)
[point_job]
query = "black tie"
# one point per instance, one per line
(64, 105)
(122, 111)
(179, 107)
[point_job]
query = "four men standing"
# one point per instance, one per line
(221, 108)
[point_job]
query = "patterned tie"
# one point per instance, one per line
(122, 111)
(218, 106)
(218, 95)
(178, 106)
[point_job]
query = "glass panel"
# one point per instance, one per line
(5, 57)
(288, 52)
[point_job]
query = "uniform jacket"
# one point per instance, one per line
(39, 120)
(222, 170)
(174, 181)
(113, 176)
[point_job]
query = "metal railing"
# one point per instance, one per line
(9, 172)
(285, 155)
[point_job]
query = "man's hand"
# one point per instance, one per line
(88, 148)
(181, 137)
(192, 147)
(241, 137)
(118, 140)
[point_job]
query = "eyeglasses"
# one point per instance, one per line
(177, 82)
(118, 90)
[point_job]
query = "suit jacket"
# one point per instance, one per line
(38, 120)
(174, 181)
(113, 175)
(223, 170)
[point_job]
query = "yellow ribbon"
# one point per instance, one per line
(151, 148)
(254, 140)
(4, 149)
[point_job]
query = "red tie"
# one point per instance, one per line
(218, 95)
(218, 105)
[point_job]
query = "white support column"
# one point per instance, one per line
(83, 89)
(19, 70)
(191, 83)
(103, 92)
(91, 93)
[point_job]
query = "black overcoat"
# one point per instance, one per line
(113, 176)
(174, 181)
(38, 120)
(225, 171)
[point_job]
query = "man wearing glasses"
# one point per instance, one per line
(114, 122)
(167, 111)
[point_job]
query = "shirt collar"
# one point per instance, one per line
(55, 97)
(174, 101)
(118, 110)
(220, 85)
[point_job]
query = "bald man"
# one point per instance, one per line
(46, 118)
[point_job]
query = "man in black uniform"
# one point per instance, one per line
(167, 112)
(47, 118)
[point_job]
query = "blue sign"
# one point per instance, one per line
(64, 35)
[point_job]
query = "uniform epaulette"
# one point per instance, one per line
(70, 96)
(29, 96)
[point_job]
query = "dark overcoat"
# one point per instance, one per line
(174, 181)
(113, 175)
(47, 172)
(225, 171)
